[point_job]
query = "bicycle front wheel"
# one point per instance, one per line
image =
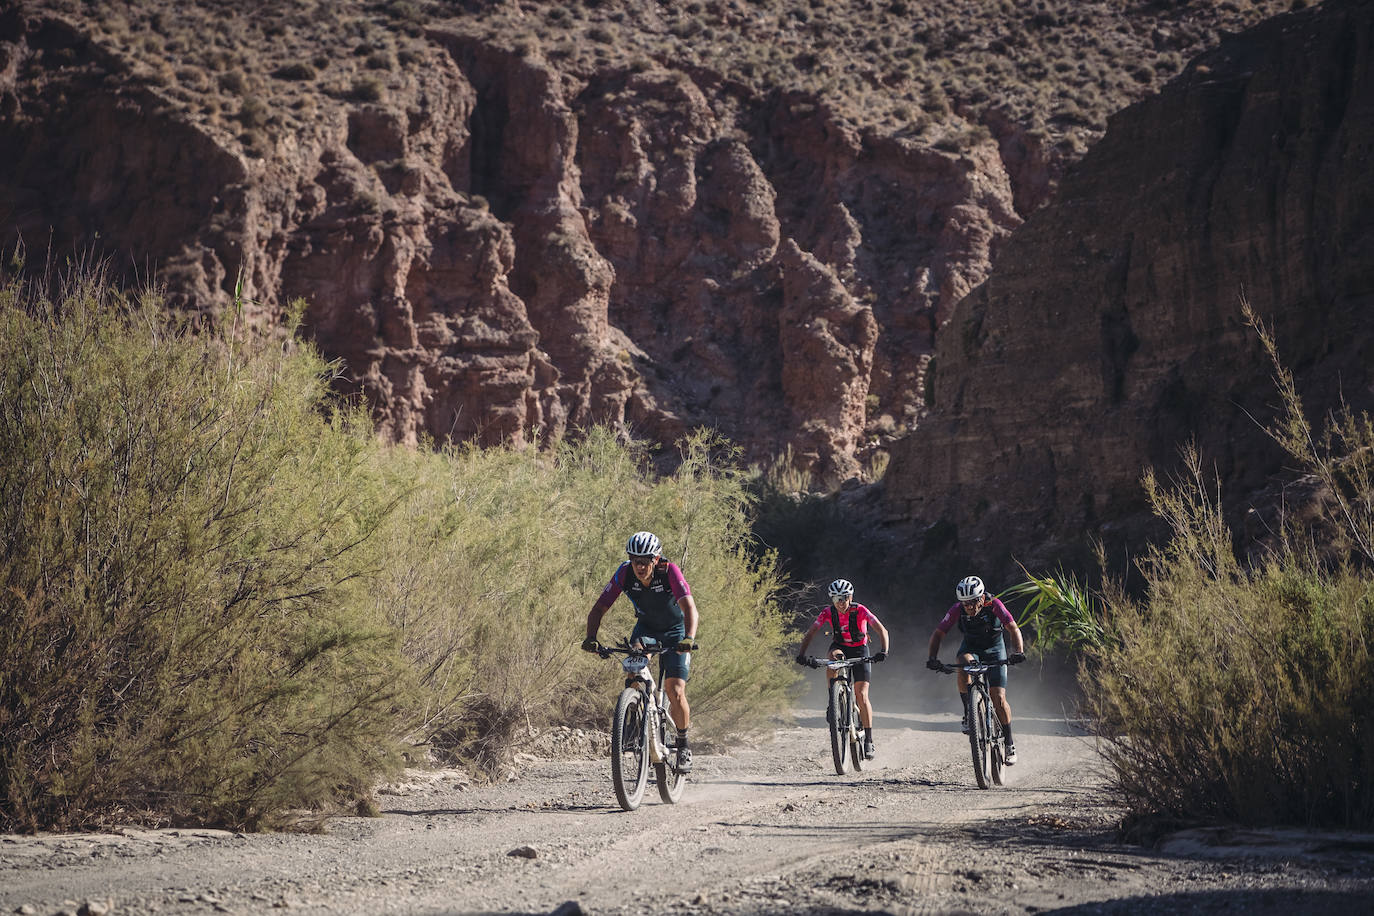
(978, 737)
(839, 725)
(856, 732)
(629, 753)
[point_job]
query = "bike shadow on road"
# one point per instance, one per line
(1266, 901)
(882, 780)
(1057, 726)
(589, 807)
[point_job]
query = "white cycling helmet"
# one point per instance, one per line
(969, 588)
(642, 544)
(841, 588)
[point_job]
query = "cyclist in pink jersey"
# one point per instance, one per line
(849, 623)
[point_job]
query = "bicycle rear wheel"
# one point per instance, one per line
(839, 725)
(629, 756)
(978, 737)
(670, 781)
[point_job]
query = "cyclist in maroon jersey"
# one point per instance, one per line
(664, 613)
(985, 624)
(849, 624)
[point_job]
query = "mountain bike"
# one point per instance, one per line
(984, 728)
(640, 730)
(842, 713)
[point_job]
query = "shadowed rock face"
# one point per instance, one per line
(1111, 333)
(501, 251)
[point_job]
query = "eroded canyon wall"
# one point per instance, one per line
(501, 251)
(1110, 332)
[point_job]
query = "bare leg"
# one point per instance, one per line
(865, 707)
(676, 688)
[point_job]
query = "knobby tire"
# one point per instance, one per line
(978, 737)
(839, 725)
(670, 781)
(629, 750)
(856, 732)
(995, 746)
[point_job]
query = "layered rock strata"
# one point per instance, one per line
(499, 251)
(1110, 333)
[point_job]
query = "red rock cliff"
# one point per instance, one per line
(501, 251)
(1110, 331)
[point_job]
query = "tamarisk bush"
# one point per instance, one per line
(224, 600)
(180, 517)
(1235, 692)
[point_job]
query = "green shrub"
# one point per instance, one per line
(254, 112)
(223, 599)
(1238, 694)
(1232, 692)
(368, 89)
(179, 518)
(300, 70)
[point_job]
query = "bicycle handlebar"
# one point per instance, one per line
(644, 651)
(814, 662)
(972, 666)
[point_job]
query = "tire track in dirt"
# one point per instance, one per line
(757, 830)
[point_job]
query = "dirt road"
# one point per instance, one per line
(770, 829)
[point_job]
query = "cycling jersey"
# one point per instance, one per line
(982, 631)
(845, 632)
(655, 604)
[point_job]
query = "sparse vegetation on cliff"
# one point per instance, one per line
(222, 598)
(1233, 692)
(924, 70)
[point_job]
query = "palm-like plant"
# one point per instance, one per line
(1061, 611)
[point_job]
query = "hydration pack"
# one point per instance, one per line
(983, 628)
(848, 632)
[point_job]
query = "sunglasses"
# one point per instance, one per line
(643, 561)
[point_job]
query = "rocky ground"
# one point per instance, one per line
(767, 829)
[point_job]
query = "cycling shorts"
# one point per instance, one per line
(997, 675)
(862, 672)
(671, 664)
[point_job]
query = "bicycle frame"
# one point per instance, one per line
(842, 713)
(639, 730)
(985, 729)
(639, 673)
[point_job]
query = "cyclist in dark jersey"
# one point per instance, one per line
(984, 622)
(848, 623)
(664, 613)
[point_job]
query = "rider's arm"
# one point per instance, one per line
(689, 615)
(882, 630)
(603, 603)
(1014, 637)
(682, 593)
(1013, 632)
(806, 640)
(944, 626)
(594, 620)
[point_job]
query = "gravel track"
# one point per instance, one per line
(766, 829)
